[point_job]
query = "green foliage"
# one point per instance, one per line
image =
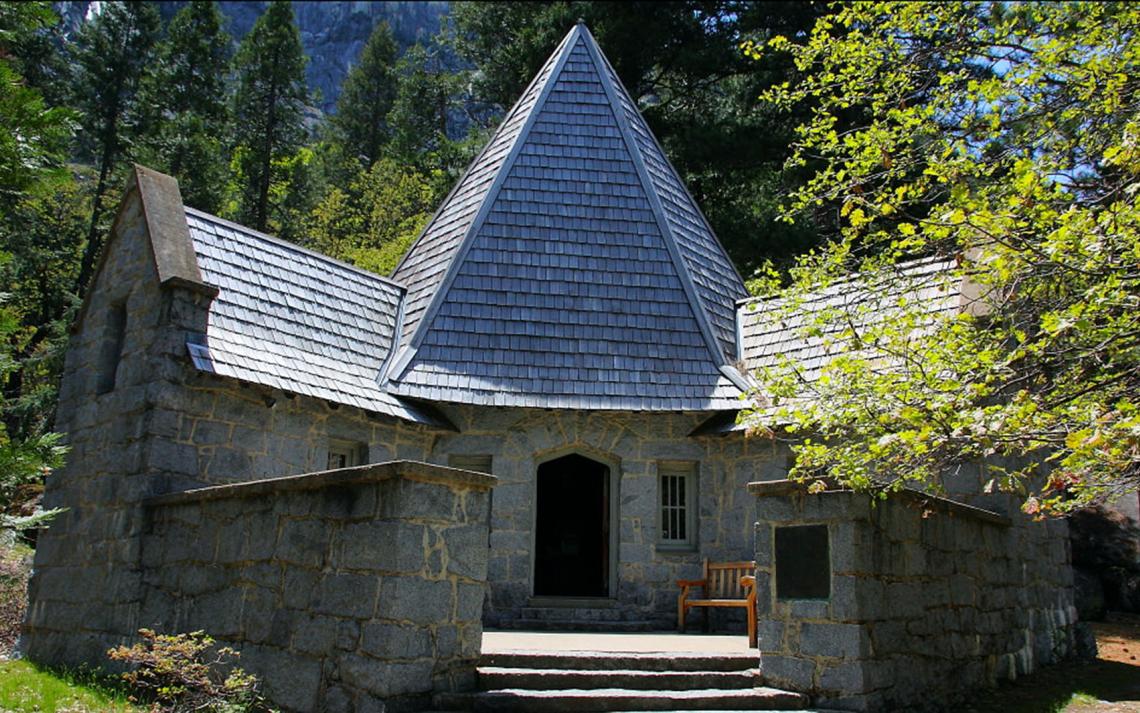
(44, 232)
(1005, 135)
(15, 569)
(28, 688)
(33, 136)
(110, 54)
(698, 92)
(24, 462)
(268, 105)
(367, 96)
(419, 118)
(293, 193)
(185, 94)
(374, 220)
(187, 672)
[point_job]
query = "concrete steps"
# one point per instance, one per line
(493, 677)
(605, 682)
(600, 700)
(576, 618)
(611, 660)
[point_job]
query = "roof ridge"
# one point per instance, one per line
(407, 352)
(695, 303)
(281, 242)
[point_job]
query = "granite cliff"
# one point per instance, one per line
(332, 33)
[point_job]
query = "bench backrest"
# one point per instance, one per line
(723, 579)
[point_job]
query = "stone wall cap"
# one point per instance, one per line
(371, 473)
(776, 488)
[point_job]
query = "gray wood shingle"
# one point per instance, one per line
(295, 320)
(570, 268)
(769, 330)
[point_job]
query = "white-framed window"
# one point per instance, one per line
(346, 454)
(677, 489)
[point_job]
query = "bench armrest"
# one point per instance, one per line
(691, 582)
(748, 581)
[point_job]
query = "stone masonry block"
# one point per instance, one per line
(844, 679)
(411, 499)
(396, 642)
(841, 640)
(414, 600)
(314, 635)
(347, 595)
(303, 542)
(351, 502)
(770, 634)
(290, 679)
(469, 602)
(467, 551)
(788, 672)
(382, 546)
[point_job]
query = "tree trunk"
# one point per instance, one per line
(94, 239)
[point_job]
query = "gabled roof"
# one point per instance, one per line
(773, 329)
(295, 320)
(570, 267)
(770, 331)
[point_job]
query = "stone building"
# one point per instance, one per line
(567, 321)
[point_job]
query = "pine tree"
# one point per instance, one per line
(366, 98)
(185, 94)
(419, 117)
(271, 95)
(32, 136)
(110, 53)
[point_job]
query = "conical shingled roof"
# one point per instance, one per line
(570, 268)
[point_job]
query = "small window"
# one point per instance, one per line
(111, 352)
(479, 464)
(346, 454)
(677, 483)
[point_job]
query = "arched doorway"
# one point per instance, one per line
(572, 528)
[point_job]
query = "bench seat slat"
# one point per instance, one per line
(717, 602)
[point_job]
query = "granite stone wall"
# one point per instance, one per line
(928, 598)
(633, 445)
(86, 586)
(166, 427)
(348, 590)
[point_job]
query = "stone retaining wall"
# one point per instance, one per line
(344, 590)
(928, 598)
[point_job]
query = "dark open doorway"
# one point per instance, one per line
(572, 531)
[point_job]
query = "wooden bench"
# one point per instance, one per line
(725, 584)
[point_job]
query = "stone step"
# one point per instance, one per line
(600, 700)
(626, 661)
(804, 710)
(572, 613)
(493, 677)
(578, 625)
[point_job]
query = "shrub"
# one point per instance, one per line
(186, 672)
(14, 571)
